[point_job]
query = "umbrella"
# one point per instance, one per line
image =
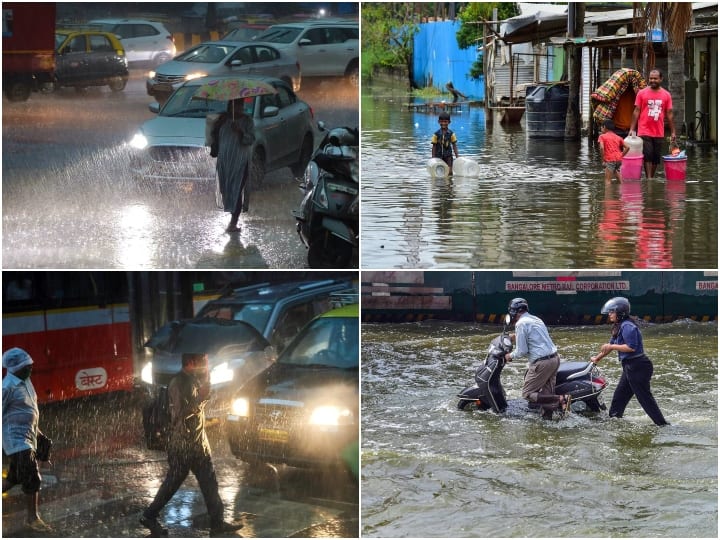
(230, 89)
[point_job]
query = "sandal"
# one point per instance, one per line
(565, 402)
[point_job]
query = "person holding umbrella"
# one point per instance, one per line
(233, 135)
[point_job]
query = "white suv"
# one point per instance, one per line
(144, 41)
(323, 48)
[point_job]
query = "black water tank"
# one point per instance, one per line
(545, 108)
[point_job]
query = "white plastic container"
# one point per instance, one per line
(636, 146)
(463, 166)
(438, 168)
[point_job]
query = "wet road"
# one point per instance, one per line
(103, 478)
(69, 200)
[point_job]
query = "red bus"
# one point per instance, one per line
(75, 325)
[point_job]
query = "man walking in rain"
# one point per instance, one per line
(188, 446)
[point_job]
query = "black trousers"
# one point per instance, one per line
(635, 381)
(179, 467)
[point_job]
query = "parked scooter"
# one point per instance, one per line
(582, 380)
(328, 217)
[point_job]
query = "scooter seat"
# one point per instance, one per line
(568, 368)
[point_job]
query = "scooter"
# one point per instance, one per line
(582, 380)
(328, 217)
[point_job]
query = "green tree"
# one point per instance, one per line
(472, 27)
(388, 30)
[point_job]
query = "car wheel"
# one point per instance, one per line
(117, 84)
(161, 59)
(257, 169)
(298, 169)
(18, 91)
(352, 74)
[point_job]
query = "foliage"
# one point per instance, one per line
(674, 18)
(387, 34)
(472, 16)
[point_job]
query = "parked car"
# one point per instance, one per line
(278, 310)
(236, 353)
(89, 58)
(144, 41)
(303, 410)
(222, 58)
(171, 146)
(323, 48)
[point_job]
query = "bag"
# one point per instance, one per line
(156, 420)
(44, 445)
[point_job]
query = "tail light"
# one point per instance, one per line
(598, 383)
(171, 38)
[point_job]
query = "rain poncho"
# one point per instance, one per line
(234, 143)
(614, 99)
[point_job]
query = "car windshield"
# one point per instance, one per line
(182, 103)
(206, 337)
(255, 314)
(279, 34)
(328, 341)
(207, 54)
(59, 39)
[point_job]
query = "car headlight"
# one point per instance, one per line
(151, 74)
(331, 416)
(197, 75)
(240, 407)
(221, 374)
(139, 141)
(146, 373)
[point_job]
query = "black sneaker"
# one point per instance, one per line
(224, 527)
(154, 526)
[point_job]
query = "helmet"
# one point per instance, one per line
(517, 305)
(620, 305)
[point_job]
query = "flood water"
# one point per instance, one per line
(430, 470)
(537, 203)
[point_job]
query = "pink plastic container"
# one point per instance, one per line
(675, 167)
(631, 168)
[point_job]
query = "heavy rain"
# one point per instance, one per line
(94, 396)
(70, 200)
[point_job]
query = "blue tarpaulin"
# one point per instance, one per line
(437, 59)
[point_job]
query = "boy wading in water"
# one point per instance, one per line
(444, 141)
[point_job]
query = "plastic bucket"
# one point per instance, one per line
(631, 168)
(675, 167)
(463, 166)
(438, 168)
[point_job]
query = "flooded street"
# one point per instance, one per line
(69, 200)
(537, 203)
(103, 478)
(431, 470)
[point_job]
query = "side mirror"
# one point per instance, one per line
(304, 41)
(154, 107)
(235, 63)
(270, 110)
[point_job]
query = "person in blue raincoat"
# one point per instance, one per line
(232, 138)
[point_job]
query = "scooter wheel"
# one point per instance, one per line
(335, 253)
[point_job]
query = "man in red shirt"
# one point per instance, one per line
(652, 105)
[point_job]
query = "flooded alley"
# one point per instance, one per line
(537, 203)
